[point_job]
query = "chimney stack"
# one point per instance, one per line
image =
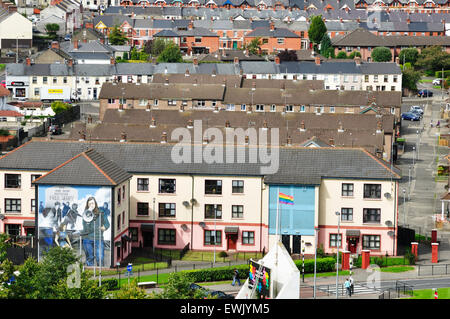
(164, 138)
(55, 45)
(227, 123)
(317, 60)
(272, 26)
(253, 85)
(82, 136)
(195, 61)
(277, 60)
(166, 81)
(236, 60)
(302, 126)
(340, 127)
(190, 124)
(75, 44)
(28, 61)
(123, 137)
(112, 61)
(357, 60)
(186, 73)
(70, 63)
(331, 141)
(153, 122)
(289, 141)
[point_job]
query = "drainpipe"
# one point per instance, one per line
(192, 213)
(261, 215)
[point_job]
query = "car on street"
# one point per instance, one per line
(3, 83)
(55, 130)
(410, 116)
(10, 54)
(425, 93)
(417, 109)
(210, 293)
(437, 81)
(67, 37)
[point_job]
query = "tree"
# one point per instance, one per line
(317, 30)
(88, 289)
(433, 59)
(410, 77)
(24, 287)
(341, 55)
(354, 54)
(171, 54)
(59, 107)
(178, 287)
(52, 29)
(155, 47)
(134, 54)
(287, 55)
(131, 291)
(3, 236)
(381, 54)
(116, 37)
(409, 55)
(326, 47)
(254, 46)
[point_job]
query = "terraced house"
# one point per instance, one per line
(228, 205)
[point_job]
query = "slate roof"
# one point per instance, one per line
(296, 165)
(87, 168)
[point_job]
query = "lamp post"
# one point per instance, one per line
(409, 182)
(337, 256)
(215, 233)
(315, 258)
(404, 207)
(154, 226)
(414, 154)
(303, 261)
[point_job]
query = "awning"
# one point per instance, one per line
(147, 227)
(352, 233)
(28, 223)
(231, 230)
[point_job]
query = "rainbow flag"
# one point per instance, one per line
(285, 199)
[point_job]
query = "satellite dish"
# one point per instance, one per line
(193, 201)
(388, 223)
(2, 216)
(184, 227)
(391, 233)
(186, 203)
(387, 195)
(202, 224)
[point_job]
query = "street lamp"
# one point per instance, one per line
(409, 182)
(315, 257)
(414, 154)
(338, 214)
(404, 207)
(215, 234)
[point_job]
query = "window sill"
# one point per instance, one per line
(372, 223)
(347, 197)
(13, 188)
(372, 199)
(213, 195)
(167, 194)
(142, 191)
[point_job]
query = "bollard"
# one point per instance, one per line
(415, 249)
(434, 235)
(345, 260)
(434, 253)
(365, 259)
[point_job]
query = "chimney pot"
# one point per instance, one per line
(28, 61)
(317, 59)
(277, 60)
(75, 44)
(195, 61)
(164, 137)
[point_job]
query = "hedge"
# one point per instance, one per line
(438, 74)
(110, 284)
(226, 273)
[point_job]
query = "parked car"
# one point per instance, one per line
(416, 109)
(55, 129)
(437, 81)
(10, 54)
(425, 93)
(67, 37)
(208, 293)
(410, 116)
(3, 83)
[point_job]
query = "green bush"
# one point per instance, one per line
(438, 74)
(223, 254)
(110, 284)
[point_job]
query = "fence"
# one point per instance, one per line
(433, 270)
(401, 289)
(18, 255)
(71, 115)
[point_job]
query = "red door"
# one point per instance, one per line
(232, 239)
(352, 242)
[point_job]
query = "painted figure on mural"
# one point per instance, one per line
(94, 224)
(62, 236)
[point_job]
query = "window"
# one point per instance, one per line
(34, 177)
(302, 108)
(33, 205)
(123, 192)
(155, 103)
(386, 78)
(12, 181)
(213, 211)
(34, 79)
(375, 78)
(213, 237)
(167, 186)
(347, 214)
(167, 209)
(142, 209)
(371, 215)
(237, 211)
(335, 240)
(119, 197)
(111, 101)
(395, 78)
(44, 80)
(166, 236)
(248, 238)
(280, 40)
(372, 190)
(347, 189)
(142, 184)
(332, 110)
(238, 187)
(12, 229)
(13, 205)
(65, 80)
(213, 187)
(273, 108)
(118, 222)
(366, 78)
(201, 103)
(260, 107)
(172, 102)
(289, 108)
(143, 102)
(36, 91)
(371, 242)
(243, 107)
(230, 107)
(133, 234)
(198, 39)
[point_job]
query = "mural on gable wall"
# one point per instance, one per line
(76, 217)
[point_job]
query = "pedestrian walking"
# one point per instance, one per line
(347, 287)
(236, 278)
(352, 286)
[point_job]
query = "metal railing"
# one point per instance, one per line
(401, 290)
(433, 270)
